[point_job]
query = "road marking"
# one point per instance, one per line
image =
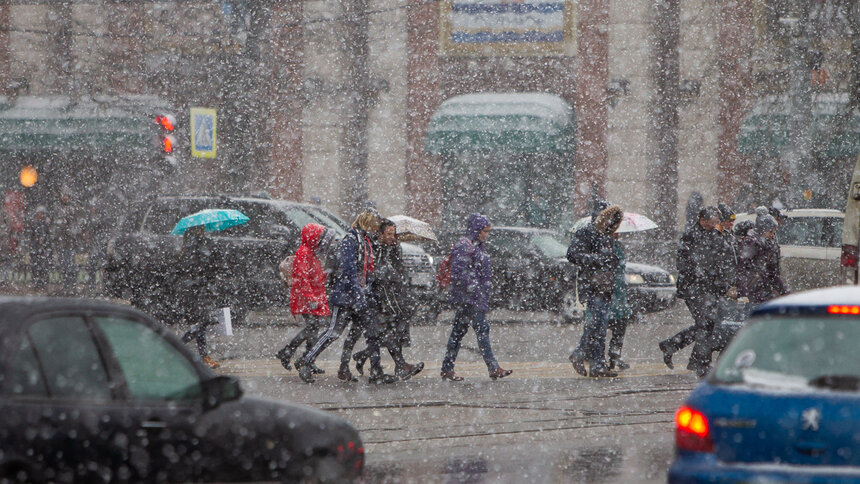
(477, 369)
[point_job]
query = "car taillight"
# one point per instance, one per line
(352, 455)
(849, 255)
(836, 309)
(691, 431)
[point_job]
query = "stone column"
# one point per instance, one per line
(286, 101)
(592, 76)
(423, 97)
(735, 38)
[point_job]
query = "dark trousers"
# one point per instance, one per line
(469, 315)
(618, 327)
(307, 335)
(394, 333)
(201, 318)
(363, 321)
(592, 344)
(705, 311)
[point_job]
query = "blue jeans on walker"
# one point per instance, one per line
(592, 345)
(467, 314)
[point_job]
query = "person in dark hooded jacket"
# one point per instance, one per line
(704, 277)
(308, 299)
(593, 251)
(198, 270)
(471, 272)
(759, 276)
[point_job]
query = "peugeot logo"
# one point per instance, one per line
(811, 417)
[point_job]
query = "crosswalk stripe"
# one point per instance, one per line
(477, 369)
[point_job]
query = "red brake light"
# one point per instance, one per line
(849, 256)
(836, 309)
(166, 121)
(691, 431)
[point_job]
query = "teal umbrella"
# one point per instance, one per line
(211, 219)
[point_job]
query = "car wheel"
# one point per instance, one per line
(570, 308)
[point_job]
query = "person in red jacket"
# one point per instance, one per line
(308, 299)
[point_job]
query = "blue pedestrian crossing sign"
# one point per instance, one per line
(203, 132)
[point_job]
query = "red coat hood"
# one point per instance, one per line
(311, 235)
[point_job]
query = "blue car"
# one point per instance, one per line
(782, 404)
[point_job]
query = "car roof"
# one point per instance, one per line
(526, 230)
(817, 301)
(17, 308)
(242, 198)
(798, 213)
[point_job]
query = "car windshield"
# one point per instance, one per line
(550, 246)
(787, 351)
(811, 231)
(328, 219)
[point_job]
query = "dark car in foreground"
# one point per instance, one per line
(783, 401)
(92, 391)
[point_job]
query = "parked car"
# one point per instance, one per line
(93, 391)
(531, 272)
(809, 242)
(783, 401)
(141, 255)
(851, 232)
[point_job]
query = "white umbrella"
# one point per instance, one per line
(632, 222)
(412, 228)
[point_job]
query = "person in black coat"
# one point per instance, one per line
(197, 272)
(705, 275)
(592, 250)
(389, 293)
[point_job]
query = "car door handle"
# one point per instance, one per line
(153, 424)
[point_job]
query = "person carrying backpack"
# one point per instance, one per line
(308, 299)
(470, 273)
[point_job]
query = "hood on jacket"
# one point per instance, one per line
(475, 224)
(311, 235)
(599, 206)
(608, 220)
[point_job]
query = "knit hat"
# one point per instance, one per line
(765, 223)
(743, 227)
(726, 212)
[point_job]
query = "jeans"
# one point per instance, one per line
(467, 314)
(592, 344)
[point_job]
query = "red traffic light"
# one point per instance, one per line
(166, 121)
(167, 144)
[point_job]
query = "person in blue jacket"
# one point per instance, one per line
(351, 300)
(470, 294)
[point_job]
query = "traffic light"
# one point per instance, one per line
(168, 125)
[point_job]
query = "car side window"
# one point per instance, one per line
(69, 359)
(25, 376)
(153, 368)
